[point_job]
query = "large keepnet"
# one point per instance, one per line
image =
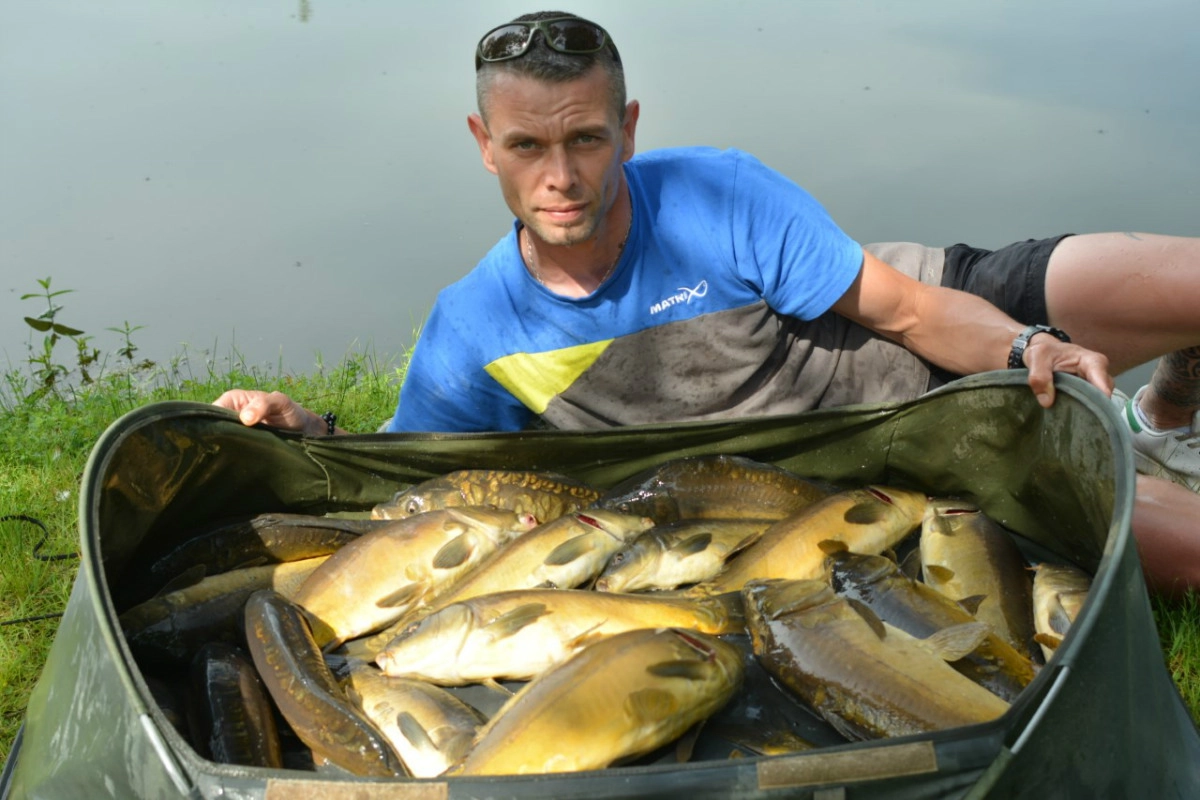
(1103, 719)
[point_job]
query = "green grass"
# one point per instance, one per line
(45, 443)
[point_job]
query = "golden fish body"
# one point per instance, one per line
(429, 728)
(546, 495)
(965, 554)
(1059, 592)
(619, 698)
(921, 611)
(714, 487)
(372, 581)
(677, 553)
(868, 520)
(306, 693)
(867, 680)
(518, 635)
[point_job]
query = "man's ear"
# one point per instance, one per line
(629, 128)
(483, 139)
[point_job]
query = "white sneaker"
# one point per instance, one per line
(1173, 455)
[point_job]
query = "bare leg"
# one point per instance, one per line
(1166, 526)
(1174, 390)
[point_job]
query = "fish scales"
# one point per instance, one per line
(868, 520)
(966, 554)
(1059, 592)
(306, 693)
(622, 697)
(922, 611)
(517, 635)
(714, 487)
(546, 495)
(866, 685)
(373, 581)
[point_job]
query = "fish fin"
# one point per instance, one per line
(259, 561)
(911, 565)
(938, 525)
(650, 705)
(456, 552)
(1048, 640)
(831, 546)
(867, 512)
(731, 607)
(869, 616)
(687, 743)
(957, 641)
(403, 596)
(586, 637)
(571, 550)
(938, 573)
(1060, 621)
(495, 686)
(414, 732)
(510, 622)
(842, 726)
(189, 577)
(692, 545)
(971, 604)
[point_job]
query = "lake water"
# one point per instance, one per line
(296, 179)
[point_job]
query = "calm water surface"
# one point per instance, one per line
(296, 179)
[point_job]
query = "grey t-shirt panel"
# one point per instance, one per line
(748, 361)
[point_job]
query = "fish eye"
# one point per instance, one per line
(413, 507)
(617, 558)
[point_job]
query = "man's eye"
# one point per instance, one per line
(586, 138)
(526, 146)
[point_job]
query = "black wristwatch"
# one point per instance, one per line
(1016, 356)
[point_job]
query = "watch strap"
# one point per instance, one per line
(1016, 356)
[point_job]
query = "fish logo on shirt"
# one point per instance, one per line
(685, 295)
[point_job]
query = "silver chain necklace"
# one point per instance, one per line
(537, 274)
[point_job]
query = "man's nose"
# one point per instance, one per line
(560, 170)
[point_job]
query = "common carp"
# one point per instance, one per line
(617, 699)
(170, 628)
(866, 520)
(520, 634)
(307, 694)
(678, 553)
(374, 580)
(966, 554)
(1059, 592)
(714, 487)
(921, 611)
(232, 721)
(865, 677)
(430, 728)
(546, 495)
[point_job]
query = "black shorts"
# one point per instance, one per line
(1012, 278)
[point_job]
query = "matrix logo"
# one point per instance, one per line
(685, 296)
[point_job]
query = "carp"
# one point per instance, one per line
(232, 720)
(307, 694)
(546, 495)
(617, 699)
(429, 728)
(170, 628)
(517, 635)
(1059, 592)
(966, 554)
(921, 611)
(714, 487)
(678, 553)
(868, 520)
(865, 677)
(374, 580)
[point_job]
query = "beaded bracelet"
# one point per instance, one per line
(331, 421)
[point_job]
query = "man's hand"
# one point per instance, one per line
(1046, 355)
(271, 408)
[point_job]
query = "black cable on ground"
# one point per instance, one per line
(40, 557)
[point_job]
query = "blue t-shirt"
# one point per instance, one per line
(702, 317)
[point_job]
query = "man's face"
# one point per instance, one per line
(557, 149)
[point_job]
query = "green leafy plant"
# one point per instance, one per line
(49, 374)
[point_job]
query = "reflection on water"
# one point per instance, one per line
(291, 179)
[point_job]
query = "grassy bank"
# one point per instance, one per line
(45, 442)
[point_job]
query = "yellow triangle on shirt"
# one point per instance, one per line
(537, 378)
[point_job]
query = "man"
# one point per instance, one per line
(693, 283)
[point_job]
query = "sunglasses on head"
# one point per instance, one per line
(570, 35)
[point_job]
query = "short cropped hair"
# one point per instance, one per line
(544, 63)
